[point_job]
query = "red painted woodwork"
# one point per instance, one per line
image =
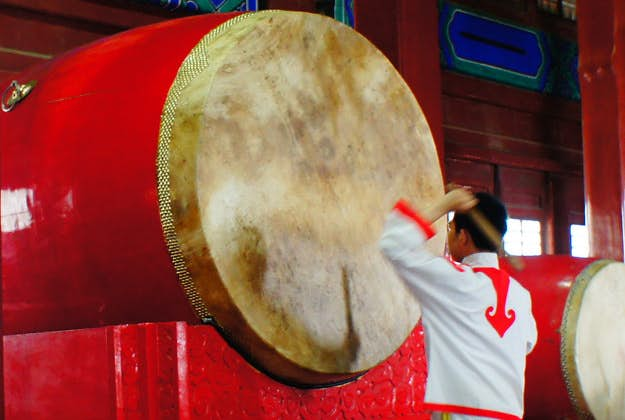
(479, 176)
(297, 5)
(482, 90)
(378, 22)
(549, 279)
(523, 191)
(526, 138)
(418, 60)
(20, 31)
(82, 243)
(30, 29)
(619, 71)
(504, 125)
(407, 33)
(602, 154)
(173, 370)
(568, 209)
(112, 12)
(14, 63)
(528, 194)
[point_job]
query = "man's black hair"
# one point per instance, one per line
(494, 211)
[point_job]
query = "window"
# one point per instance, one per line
(523, 237)
(579, 241)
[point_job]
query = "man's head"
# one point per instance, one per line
(465, 238)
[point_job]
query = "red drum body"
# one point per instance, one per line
(573, 301)
(227, 168)
(79, 200)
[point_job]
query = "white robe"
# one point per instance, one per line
(472, 369)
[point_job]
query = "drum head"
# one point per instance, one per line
(286, 139)
(593, 337)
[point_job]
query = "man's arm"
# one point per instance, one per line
(457, 199)
(404, 237)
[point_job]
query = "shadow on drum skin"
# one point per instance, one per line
(352, 342)
(251, 257)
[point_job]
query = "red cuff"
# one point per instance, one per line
(404, 208)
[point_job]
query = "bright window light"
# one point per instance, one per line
(523, 237)
(579, 241)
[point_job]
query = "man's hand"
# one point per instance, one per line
(458, 199)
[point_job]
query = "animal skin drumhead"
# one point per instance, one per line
(594, 340)
(286, 139)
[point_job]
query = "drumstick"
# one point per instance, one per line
(486, 227)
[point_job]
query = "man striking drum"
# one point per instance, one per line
(477, 319)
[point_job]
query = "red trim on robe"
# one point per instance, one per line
(404, 208)
(498, 317)
(458, 266)
(458, 409)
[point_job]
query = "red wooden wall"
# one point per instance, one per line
(36, 30)
(487, 134)
(517, 144)
(523, 146)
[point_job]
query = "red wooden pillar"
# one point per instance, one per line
(419, 61)
(600, 114)
(619, 70)
(407, 32)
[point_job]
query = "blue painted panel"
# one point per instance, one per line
(486, 41)
(344, 11)
(491, 49)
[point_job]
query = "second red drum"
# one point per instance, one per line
(578, 364)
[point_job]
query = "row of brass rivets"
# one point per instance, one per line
(195, 63)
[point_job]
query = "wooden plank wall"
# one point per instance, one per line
(37, 30)
(496, 138)
(523, 146)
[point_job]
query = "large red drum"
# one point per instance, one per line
(578, 364)
(227, 168)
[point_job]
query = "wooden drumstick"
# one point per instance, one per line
(487, 228)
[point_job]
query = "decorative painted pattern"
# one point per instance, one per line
(207, 6)
(492, 49)
(344, 11)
